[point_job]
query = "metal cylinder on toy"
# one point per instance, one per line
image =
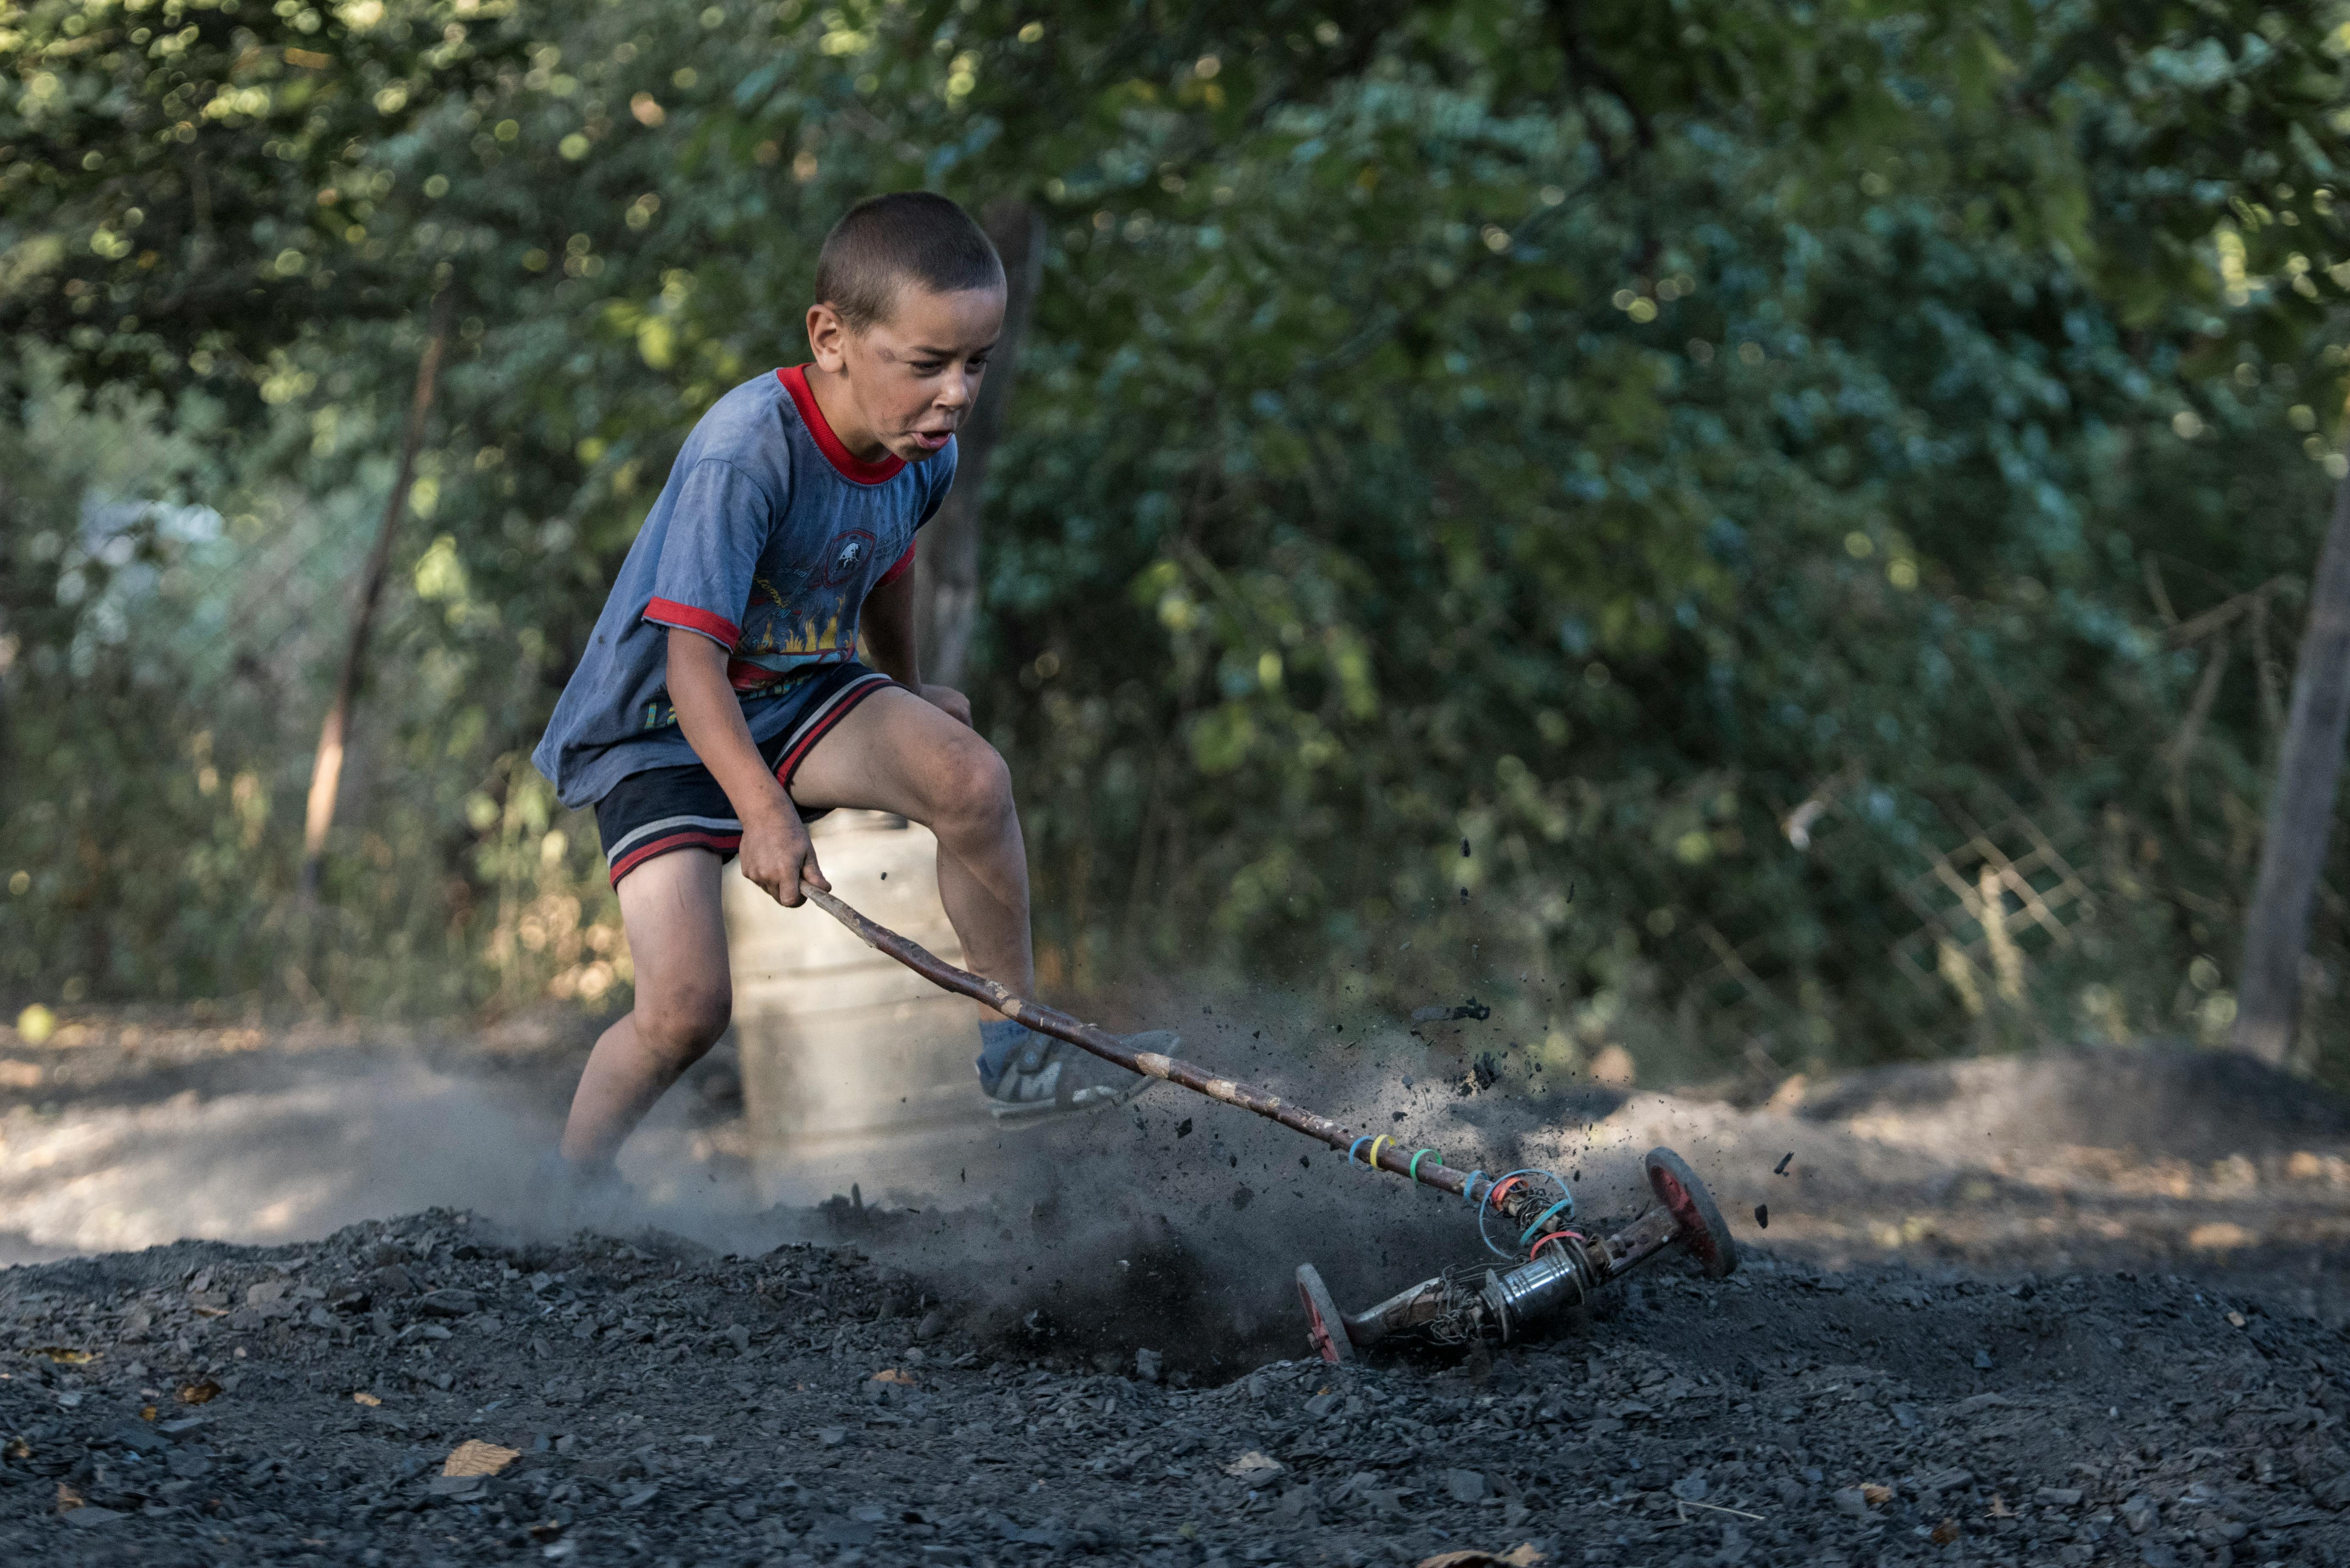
(1561, 1278)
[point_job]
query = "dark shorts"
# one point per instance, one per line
(664, 809)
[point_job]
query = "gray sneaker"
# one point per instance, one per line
(1048, 1077)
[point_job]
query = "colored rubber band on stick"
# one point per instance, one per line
(1556, 1235)
(1383, 1137)
(1355, 1148)
(1416, 1158)
(1468, 1188)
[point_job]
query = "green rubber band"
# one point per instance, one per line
(1423, 1154)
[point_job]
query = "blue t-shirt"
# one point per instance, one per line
(766, 539)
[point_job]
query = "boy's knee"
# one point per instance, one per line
(978, 787)
(682, 1026)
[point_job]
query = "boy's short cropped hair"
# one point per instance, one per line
(912, 236)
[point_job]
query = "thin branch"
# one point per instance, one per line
(327, 767)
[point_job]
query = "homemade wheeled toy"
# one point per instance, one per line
(1554, 1262)
(1562, 1265)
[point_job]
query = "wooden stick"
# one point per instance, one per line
(1109, 1048)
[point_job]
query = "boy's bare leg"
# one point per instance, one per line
(896, 752)
(677, 940)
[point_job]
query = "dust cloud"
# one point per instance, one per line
(1100, 1235)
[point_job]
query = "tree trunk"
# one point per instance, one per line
(327, 767)
(2301, 808)
(946, 572)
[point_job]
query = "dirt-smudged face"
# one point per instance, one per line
(903, 384)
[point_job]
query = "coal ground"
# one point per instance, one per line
(2069, 1308)
(200, 1403)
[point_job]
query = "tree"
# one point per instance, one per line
(334, 733)
(2301, 806)
(1591, 432)
(947, 572)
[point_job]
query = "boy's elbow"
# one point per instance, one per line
(690, 652)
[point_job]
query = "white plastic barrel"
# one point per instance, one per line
(840, 1044)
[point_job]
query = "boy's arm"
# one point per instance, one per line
(776, 854)
(890, 641)
(893, 645)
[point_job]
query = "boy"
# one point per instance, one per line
(720, 704)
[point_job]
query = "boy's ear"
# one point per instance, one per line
(827, 336)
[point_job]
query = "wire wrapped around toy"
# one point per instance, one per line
(1497, 1194)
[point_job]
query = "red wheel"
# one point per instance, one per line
(1701, 1228)
(1325, 1326)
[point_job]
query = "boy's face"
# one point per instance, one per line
(909, 380)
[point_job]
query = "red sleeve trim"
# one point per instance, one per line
(905, 564)
(853, 469)
(718, 628)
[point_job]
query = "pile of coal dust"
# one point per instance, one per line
(650, 1400)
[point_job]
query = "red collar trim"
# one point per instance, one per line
(854, 470)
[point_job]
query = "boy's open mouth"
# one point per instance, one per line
(931, 441)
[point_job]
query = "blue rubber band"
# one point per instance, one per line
(1355, 1148)
(1468, 1188)
(1534, 1230)
(1423, 1154)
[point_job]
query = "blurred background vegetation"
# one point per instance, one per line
(1763, 536)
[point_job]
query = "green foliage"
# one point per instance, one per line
(160, 658)
(1707, 460)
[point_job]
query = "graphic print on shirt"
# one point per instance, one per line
(846, 554)
(786, 638)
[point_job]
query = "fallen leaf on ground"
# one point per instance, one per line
(64, 1356)
(1874, 1495)
(67, 1498)
(891, 1375)
(1523, 1556)
(1252, 1464)
(475, 1458)
(364, 1397)
(1946, 1533)
(200, 1392)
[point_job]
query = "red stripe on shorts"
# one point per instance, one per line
(822, 726)
(693, 838)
